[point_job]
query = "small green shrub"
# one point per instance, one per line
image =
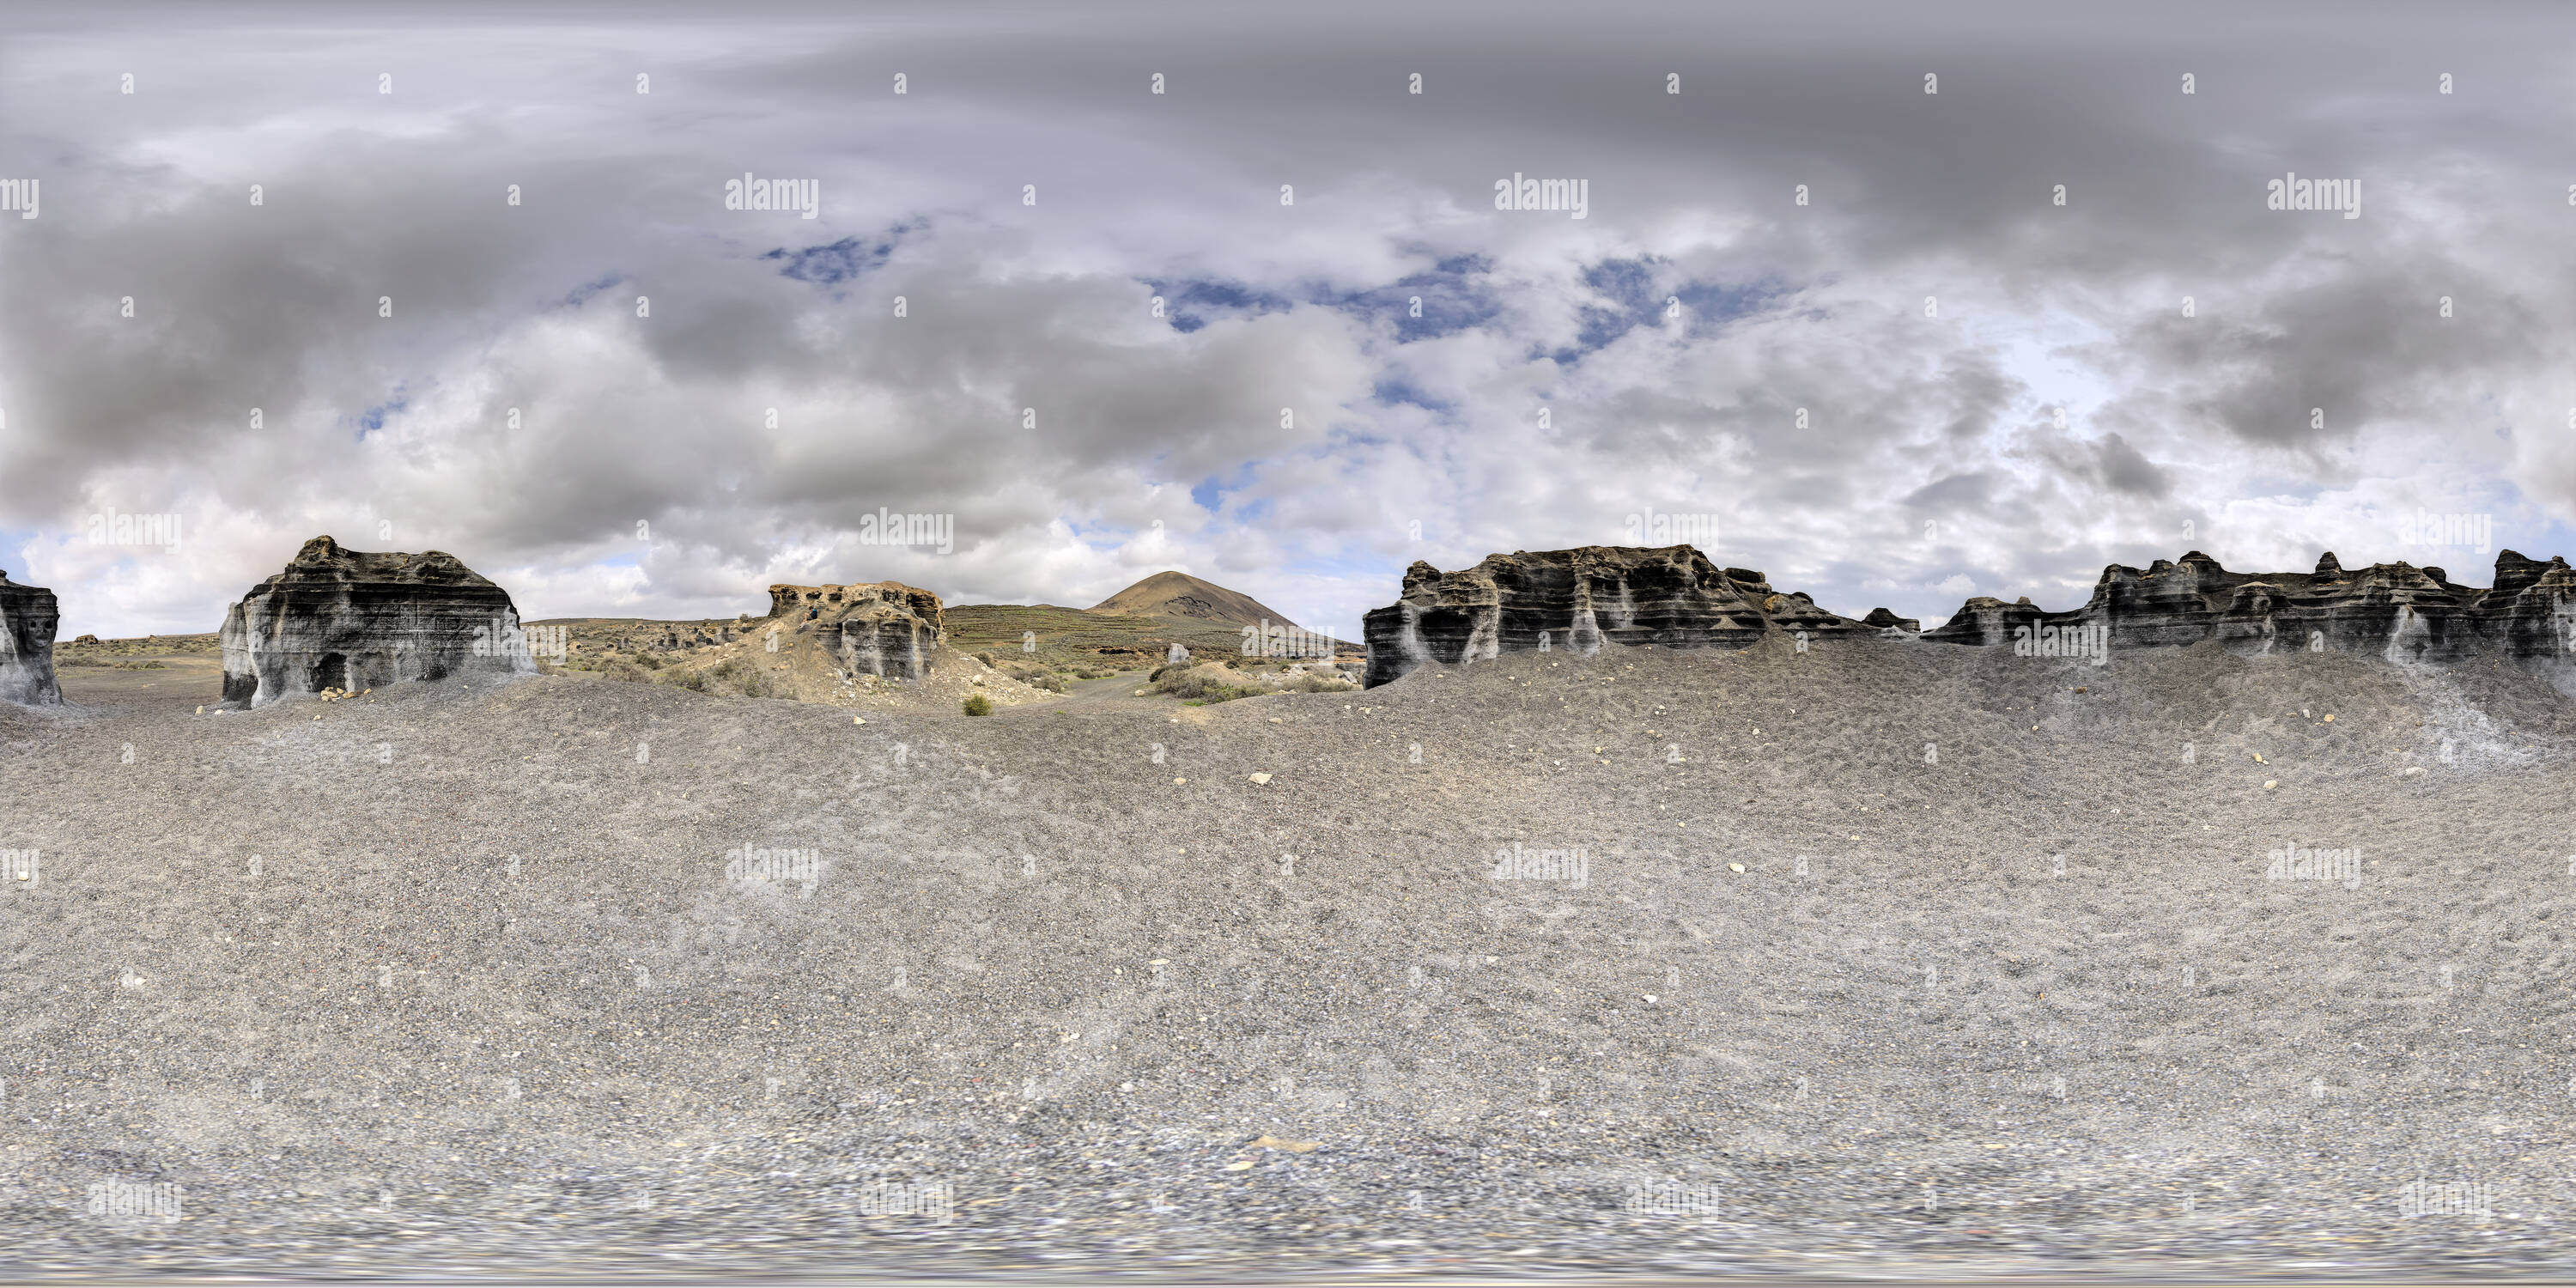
(693, 681)
(978, 705)
(1313, 682)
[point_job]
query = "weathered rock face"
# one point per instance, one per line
(345, 619)
(2398, 611)
(1578, 600)
(884, 628)
(28, 616)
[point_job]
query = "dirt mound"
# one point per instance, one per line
(811, 667)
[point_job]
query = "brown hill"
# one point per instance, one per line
(1178, 594)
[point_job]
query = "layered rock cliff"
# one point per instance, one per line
(28, 616)
(2396, 610)
(350, 620)
(1578, 600)
(884, 628)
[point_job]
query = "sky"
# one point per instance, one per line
(1896, 303)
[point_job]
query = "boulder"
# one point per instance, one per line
(884, 628)
(2394, 610)
(1987, 620)
(28, 616)
(349, 620)
(1578, 600)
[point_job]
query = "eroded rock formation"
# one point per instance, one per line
(349, 620)
(884, 628)
(28, 616)
(1578, 600)
(2395, 610)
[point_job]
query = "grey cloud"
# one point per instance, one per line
(662, 420)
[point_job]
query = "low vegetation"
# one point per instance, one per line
(1201, 683)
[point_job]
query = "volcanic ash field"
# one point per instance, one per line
(1883, 956)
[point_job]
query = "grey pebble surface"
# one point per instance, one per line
(2001, 985)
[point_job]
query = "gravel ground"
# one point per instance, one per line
(1887, 959)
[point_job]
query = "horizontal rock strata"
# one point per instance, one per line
(28, 616)
(2395, 610)
(350, 620)
(1578, 600)
(884, 628)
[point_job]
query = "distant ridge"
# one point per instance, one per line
(1178, 594)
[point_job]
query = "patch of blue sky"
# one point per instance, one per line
(373, 418)
(1639, 295)
(588, 291)
(833, 263)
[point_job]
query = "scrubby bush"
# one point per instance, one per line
(678, 678)
(986, 658)
(978, 705)
(1317, 682)
(1202, 684)
(744, 678)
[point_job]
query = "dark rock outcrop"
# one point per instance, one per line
(2396, 610)
(349, 620)
(1578, 600)
(884, 628)
(28, 616)
(1884, 620)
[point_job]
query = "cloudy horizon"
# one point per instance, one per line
(476, 272)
